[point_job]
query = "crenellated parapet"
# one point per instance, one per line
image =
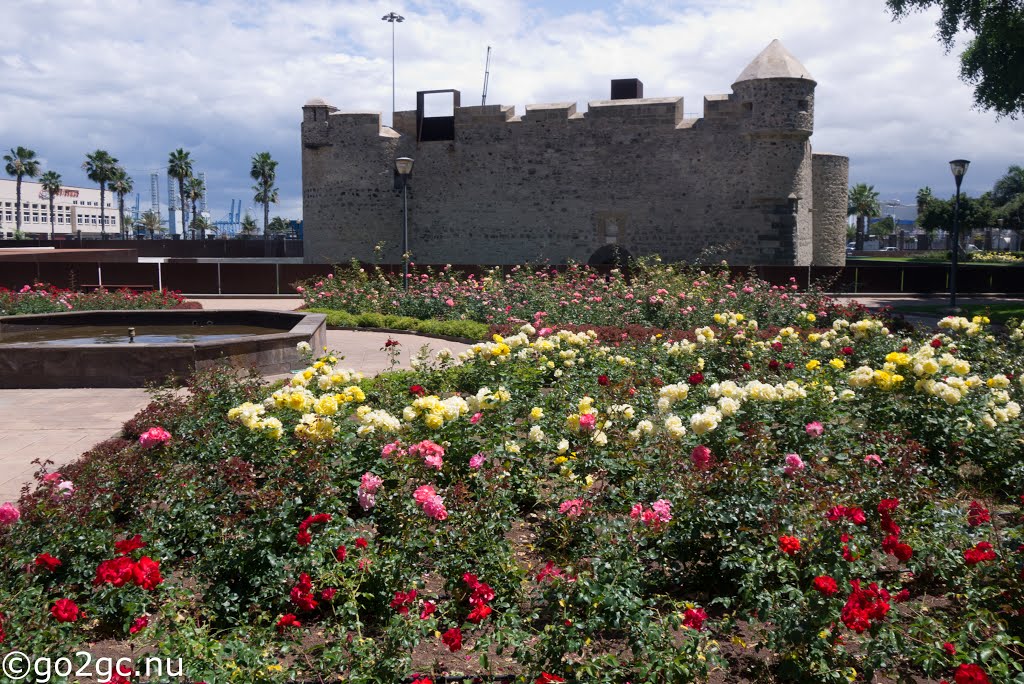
(630, 173)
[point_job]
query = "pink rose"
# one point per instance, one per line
(573, 508)
(476, 417)
(794, 464)
(366, 499)
(154, 437)
(477, 460)
(873, 459)
(434, 507)
(588, 421)
(393, 449)
(9, 514)
(370, 483)
(815, 429)
(423, 493)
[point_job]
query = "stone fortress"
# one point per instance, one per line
(631, 176)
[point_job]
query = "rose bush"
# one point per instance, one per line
(44, 298)
(815, 499)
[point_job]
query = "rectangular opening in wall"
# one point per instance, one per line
(802, 105)
(435, 114)
(748, 107)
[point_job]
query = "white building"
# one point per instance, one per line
(75, 209)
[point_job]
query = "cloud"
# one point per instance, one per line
(226, 79)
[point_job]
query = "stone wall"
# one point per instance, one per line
(831, 180)
(558, 185)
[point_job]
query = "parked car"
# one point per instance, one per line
(889, 249)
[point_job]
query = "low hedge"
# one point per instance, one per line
(464, 329)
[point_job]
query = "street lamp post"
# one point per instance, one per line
(393, 18)
(959, 168)
(403, 165)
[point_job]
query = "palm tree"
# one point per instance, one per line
(121, 184)
(264, 172)
(150, 221)
(279, 225)
(194, 191)
(249, 226)
(179, 165)
(99, 167)
(51, 182)
(21, 162)
(863, 204)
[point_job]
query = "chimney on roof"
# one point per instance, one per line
(627, 89)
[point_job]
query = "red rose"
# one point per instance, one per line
(288, 620)
(303, 538)
(140, 624)
(479, 613)
(777, 346)
(340, 553)
(847, 351)
(117, 571)
(694, 618)
(328, 594)
(790, 365)
(428, 609)
(696, 378)
(126, 546)
(65, 610)
(977, 514)
(970, 674)
(421, 680)
(936, 343)
(789, 545)
(773, 365)
(888, 505)
(402, 601)
(982, 551)
(826, 585)
(547, 678)
(452, 639)
(47, 562)
(361, 543)
(417, 390)
(146, 573)
(602, 380)
(949, 648)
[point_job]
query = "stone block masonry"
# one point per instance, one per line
(557, 185)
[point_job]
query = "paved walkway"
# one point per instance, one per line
(60, 425)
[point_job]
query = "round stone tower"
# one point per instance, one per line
(775, 96)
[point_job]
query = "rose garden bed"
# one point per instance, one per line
(776, 493)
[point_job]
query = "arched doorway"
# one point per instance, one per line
(610, 255)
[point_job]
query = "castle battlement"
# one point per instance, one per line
(630, 173)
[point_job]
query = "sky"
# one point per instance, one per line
(225, 79)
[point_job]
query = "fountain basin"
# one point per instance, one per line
(48, 350)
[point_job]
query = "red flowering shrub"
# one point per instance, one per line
(970, 674)
(826, 585)
(47, 562)
(452, 639)
(864, 606)
(789, 545)
(65, 610)
(981, 552)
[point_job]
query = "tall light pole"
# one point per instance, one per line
(959, 169)
(403, 165)
(393, 18)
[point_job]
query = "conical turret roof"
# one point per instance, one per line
(774, 62)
